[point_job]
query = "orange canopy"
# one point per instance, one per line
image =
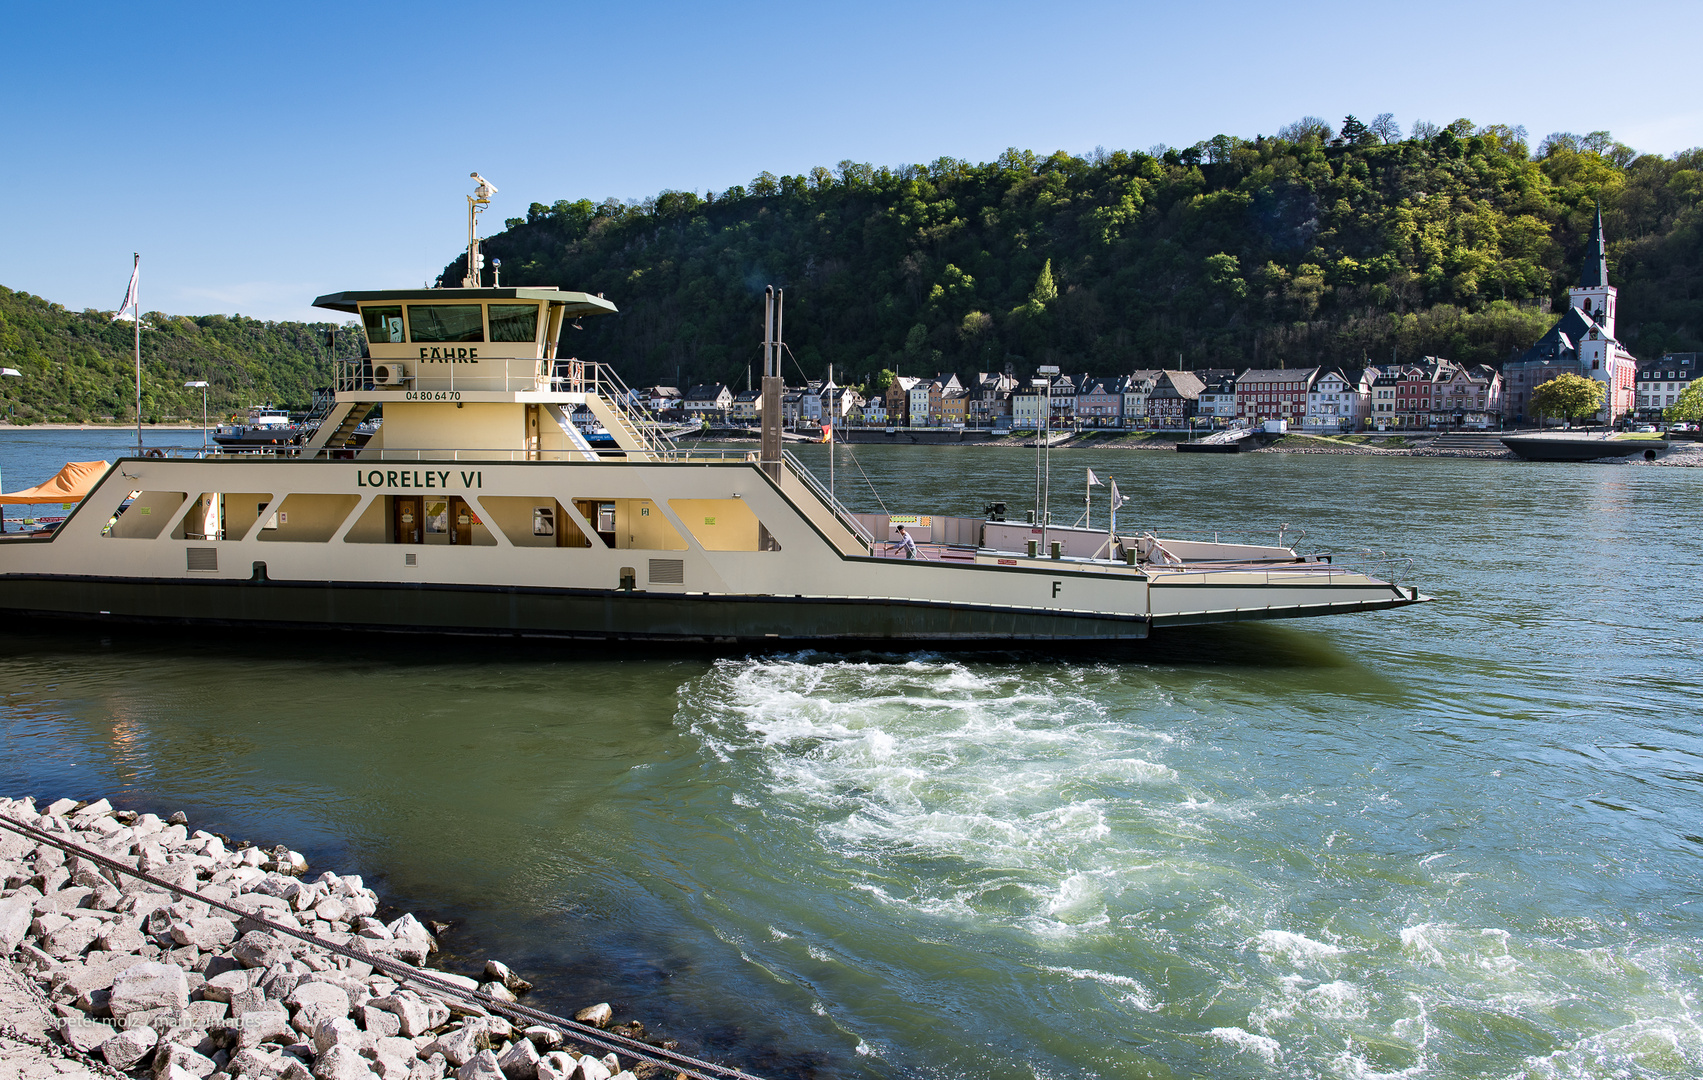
(71, 485)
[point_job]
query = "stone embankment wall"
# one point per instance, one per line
(142, 981)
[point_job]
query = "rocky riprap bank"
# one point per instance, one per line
(150, 983)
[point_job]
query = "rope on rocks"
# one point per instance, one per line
(685, 1064)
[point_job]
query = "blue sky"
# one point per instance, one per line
(259, 155)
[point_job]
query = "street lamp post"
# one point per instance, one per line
(201, 384)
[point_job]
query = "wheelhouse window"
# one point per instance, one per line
(446, 322)
(384, 324)
(514, 322)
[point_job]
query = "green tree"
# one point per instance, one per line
(1045, 291)
(1689, 405)
(1353, 131)
(1567, 396)
(1225, 271)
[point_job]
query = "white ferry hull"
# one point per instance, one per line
(820, 586)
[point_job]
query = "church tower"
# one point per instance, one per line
(1601, 355)
(1584, 336)
(1594, 296)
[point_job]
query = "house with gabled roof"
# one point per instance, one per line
(839, 403)
(661, 399)
(1333, 402)
(938, 387)
(1660, 382)
(747, 406)
(990, 396)
(1274, 394)
(1099, 402)
(1468, 395)
(1026, 406)
(1136, 386)
(899, 399)
(709, 399)
(1217, 400)
(1174, 397)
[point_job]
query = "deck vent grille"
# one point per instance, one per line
(203, 558)
(668, 571)
(411, 559)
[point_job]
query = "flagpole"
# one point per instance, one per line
(1088, 501)
(136, 315)
(1112, 525)
(834, 409)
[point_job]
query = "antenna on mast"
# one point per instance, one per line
(476, 203)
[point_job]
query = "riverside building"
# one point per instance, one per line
(1660, 382)
(1274, 394)
(1581, 343)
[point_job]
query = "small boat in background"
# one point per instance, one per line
(266, 426)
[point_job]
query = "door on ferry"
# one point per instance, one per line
(460, 521)
(409, 519)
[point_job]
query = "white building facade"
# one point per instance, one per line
(1334, 402)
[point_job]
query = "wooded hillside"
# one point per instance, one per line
(1307, 247)
(79, 366)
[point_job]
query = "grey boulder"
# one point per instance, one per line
(341, 1063)
(126, 1050)
(149, 985)
(520, 1061)
(482, 1066)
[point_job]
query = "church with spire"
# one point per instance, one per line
(1582, 343)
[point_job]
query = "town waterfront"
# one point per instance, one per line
(1457, 840)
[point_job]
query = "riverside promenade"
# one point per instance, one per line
(1474, 444)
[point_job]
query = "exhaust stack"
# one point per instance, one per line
(769, 449)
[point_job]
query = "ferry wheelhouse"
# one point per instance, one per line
(479, 507)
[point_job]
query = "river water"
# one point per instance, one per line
(1458, 840)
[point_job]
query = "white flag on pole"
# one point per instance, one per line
(1093, 481)
(129, 304)
(1117, 500)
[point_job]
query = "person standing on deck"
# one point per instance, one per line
(905, 543)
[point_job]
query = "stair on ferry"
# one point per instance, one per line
(339, 425)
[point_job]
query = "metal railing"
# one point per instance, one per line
(355, 375)
(839, 509)
(519, 374)
(600, 379)
(684, 456)
(1377, 564)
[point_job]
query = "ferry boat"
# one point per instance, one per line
(265, 426)
(478, 507)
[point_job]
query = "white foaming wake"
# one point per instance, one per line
(1135, 993)
(1038, 803)
(971, 790)
(1656, 1047)
(1264, 1046)
(1296, 948)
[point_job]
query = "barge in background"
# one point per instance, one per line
(478, 507)
(1580, 446)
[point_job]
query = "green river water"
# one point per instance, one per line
(1458, 840)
